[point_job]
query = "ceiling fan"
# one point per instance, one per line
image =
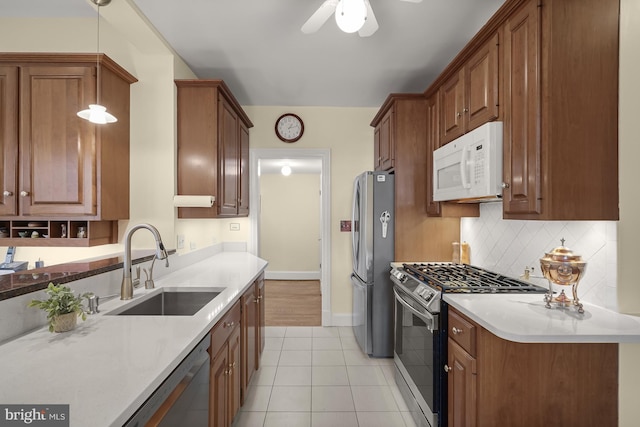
(351, 16)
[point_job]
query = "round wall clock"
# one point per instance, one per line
(289, 127)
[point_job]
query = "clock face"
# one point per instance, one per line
(289, 127)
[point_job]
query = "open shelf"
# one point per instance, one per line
(57, 233)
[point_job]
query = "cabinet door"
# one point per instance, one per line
(462, 387)
(522, 112)
(387, 146)
(376, 149)
(482, 85)
(229, 162)
(218, 387)
(249, 335)
(8, 140)
(433, 142)
(234, 373)
(261, 319)
(451, 108)
(243, 206)
(57, 148)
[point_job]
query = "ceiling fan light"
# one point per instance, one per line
(350, 15)
(97, 114)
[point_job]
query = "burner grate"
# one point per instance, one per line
(463, 278)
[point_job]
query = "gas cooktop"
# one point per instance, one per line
(449, 277)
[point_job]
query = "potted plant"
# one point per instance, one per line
(63, 307)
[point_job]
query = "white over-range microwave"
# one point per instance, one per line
(469, 168)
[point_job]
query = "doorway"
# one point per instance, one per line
(265, 160)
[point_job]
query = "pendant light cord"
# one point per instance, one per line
(98, 60)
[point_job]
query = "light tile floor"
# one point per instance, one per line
(317, 377)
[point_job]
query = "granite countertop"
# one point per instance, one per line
(27, 281)
(524, 318)
(112, 364)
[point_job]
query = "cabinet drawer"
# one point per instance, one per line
(225, 326)
(462, 331)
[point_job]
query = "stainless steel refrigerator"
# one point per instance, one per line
(372, 237)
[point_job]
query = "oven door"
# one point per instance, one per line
(415, 357)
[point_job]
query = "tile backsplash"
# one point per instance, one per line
(508, 246)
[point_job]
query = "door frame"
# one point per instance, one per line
(323, 154)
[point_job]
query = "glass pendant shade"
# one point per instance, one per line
(350, 15)
(97, 114)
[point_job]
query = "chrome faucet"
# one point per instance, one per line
(126, 289)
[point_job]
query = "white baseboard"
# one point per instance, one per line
(292, 275)
(341, 319)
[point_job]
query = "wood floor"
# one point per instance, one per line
(293, 303)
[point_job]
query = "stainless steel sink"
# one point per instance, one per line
(169, 302)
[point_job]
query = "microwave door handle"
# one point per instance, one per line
(463, 168)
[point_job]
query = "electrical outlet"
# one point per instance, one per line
(180, 241)
(192, 245)
(234, 226)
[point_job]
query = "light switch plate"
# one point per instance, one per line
(180, 243)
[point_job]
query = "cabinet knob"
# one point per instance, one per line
(505, 185)
(466, 110)
(456, 331)
(7, 193)
(257, 300)
(24, 193)
(447, 368)
(228, 324)
(458, 114)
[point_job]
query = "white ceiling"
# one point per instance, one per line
(257, 47)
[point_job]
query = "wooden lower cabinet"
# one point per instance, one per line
(252, 302)
(495, 382)
(225, 384)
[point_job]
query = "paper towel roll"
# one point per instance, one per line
(193, 201)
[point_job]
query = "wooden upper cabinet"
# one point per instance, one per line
(57, 160)
(8, 140)
(213, 141)
(469, 98)
(481, 73)
(55, 164)
(452, 107)
(561, 110)
(433, 143)
(384, 134)
(521, 147)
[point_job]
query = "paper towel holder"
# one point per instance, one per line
(193, 201)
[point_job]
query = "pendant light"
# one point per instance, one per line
(97, 113)
(350, 15)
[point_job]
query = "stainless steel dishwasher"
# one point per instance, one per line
(183, 398)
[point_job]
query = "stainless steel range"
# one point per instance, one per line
(420, 351)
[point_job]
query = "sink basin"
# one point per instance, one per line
(169, 302)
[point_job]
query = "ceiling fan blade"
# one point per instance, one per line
(371, 24)
(413, 1)
(319, 17)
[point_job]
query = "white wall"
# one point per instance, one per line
(629, 225)
(290, 222)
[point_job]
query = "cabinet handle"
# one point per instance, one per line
(233, 365)
(257, 300)
(466, 110)
(24, 193)
(228, 324)
(456, 331)
(7, 193)
(447, 368)
(458, 114)
(505, 185)
(227, 372)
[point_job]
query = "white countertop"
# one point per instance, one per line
(524, 318)
(112, 364)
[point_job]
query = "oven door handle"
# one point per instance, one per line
(428, 318)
